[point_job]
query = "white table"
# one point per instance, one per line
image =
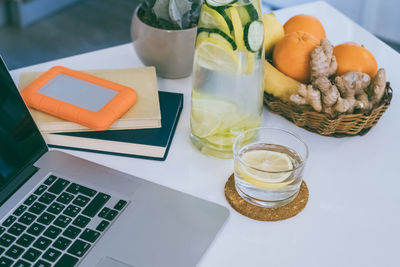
(353, 214)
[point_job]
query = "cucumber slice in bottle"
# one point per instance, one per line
(253, 35)
(252, 11)
(226, 17)
(217, 34)
(218, 3)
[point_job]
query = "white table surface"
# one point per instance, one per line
(353, 214)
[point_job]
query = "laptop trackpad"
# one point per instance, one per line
(110, 262)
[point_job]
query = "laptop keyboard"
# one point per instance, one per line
(56, 225)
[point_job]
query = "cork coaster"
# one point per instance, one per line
(265, 214)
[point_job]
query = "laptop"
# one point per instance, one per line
(61, 210)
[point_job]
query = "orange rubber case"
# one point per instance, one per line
(101, 120)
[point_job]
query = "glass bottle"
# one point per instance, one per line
(227, 89)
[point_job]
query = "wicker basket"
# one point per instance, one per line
(321, 123)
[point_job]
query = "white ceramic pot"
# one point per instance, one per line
(170, 51)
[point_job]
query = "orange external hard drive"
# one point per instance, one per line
(79, 97)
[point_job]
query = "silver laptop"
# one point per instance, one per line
(60, 210)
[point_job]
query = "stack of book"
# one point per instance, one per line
(145, 131)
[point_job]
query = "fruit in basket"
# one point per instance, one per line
(354, 57)
(291, 55)
(305, 23)
(346, 93)
(277, 83)
(273, 32)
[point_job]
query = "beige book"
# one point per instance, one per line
(144, 114)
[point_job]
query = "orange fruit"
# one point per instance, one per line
(305, 23)
(291, 55)
(354, 57)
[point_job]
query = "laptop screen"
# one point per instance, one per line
(20, 140)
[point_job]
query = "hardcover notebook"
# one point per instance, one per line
(144, 114)
(141, 143)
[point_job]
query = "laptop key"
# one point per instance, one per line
(103, 212)
(66, 260)
(40, 190)
(62, 221)
(75, 189)
(120, 205)
(51, 255)
(102, 225)
(6, 261)
(62, 243)
(78, 248)
(81, 221)
(71, 232)
(31, 254)
(2, 250)
(35, 229)
(9, 221)
(89, 235)
(65, 198)
(16, 229)
(37, 208)
(14, 251)
(111, 215)
(42, 263)
(2, 229)
(6, 240)
(52, 232)
(42, 243)
(25, 240)
(55, 208)
(72, 210)
(47, 198)
(50, 180)
(58, 186)
(20, 210)
(27, 218)
(96, 204)
(30, 200)
(46, 218)
(22, 263)
(81, 200)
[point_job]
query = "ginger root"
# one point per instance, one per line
(308, 95)
(353, 85)
(323, 62)
(377, 87)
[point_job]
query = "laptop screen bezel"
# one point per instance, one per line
(27, 170)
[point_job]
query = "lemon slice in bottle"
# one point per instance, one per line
(210, 18)
(265, 168)
(203, 123)
(216, 55)
(237, 28)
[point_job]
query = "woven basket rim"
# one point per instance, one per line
(293, 112)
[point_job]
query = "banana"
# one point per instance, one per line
(277, 83)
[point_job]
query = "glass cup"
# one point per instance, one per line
(268, 166)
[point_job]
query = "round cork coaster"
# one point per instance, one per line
(265, 214)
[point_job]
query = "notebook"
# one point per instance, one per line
(144, 114)
(142, 143)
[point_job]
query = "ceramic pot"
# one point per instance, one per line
(170, 51)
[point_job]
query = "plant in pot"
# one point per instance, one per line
(163, 34)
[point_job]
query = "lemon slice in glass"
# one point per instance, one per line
(265, 168)
(203, 123)
(216, 55)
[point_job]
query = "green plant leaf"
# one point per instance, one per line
(160, 9)
(177, 9)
